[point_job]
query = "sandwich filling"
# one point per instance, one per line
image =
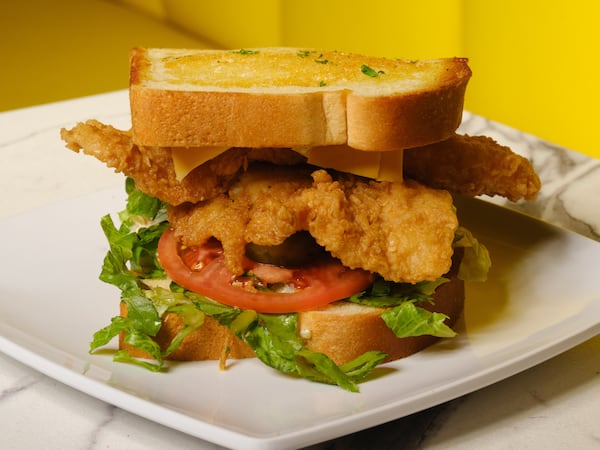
(402, 231)
(269, 187)
(145, 261)
(252, 237)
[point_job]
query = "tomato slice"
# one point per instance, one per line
(202, 270)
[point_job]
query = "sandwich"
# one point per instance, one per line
(294, 205)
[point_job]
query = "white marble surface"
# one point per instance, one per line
(553, 405)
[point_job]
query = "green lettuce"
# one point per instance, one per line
(404, 317)
(274, 338)
(408, 319)
(476, 261)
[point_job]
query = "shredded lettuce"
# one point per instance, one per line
(408, 319)
(131, 264)
(274, 337)
(387, 293)
(476, 261)
(404, 317)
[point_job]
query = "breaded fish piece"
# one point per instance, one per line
(468, 165)
(473, 165)
(152, 167)
(403, 231)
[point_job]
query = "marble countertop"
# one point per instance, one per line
(552, 405)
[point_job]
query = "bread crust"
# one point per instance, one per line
(388, 123)
(368, 114)
(236, 119)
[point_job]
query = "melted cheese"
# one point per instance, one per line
(382, 166)
(186, 159)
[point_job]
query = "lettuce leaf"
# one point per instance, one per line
(408, 319)
(141, 208)
(387, 293)
(404, 317)
(193, 319)
(115, 268)
(476, 260)
(275, 339)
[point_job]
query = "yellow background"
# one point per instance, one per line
(535, 63)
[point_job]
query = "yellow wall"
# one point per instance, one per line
(536, 67)
(59, 49)
(535, 63)
(387, 28)
(229, 23)
(410, 29)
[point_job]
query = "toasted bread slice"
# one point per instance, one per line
(344, 330)
(211, 341)
(341, 330)
(289, 97)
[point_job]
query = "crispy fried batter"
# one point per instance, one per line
(473, 165)
(258, 208)
(403, 231)
(468, 165)
(152, 167)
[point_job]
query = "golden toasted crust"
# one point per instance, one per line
(341, 330)
(404, 121)
(286, 97)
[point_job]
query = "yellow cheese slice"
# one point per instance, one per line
(382, 166)
(186, 159)
(391, 166)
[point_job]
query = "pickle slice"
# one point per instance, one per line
(297, 250)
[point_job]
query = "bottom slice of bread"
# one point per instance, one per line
(345, 330)
(341, 330)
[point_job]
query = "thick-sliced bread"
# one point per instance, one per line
(289, 97)
(344, 330)
(211, 341)
(341, 330)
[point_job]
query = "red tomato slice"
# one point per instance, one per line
(202, 270)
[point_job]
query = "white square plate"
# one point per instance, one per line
(542, 298)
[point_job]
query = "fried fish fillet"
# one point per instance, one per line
(152, 167)
(403, 231)
(473, 165)
(463, 164)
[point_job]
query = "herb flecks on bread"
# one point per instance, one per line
(286, 97)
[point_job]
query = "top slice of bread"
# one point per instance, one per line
(290, 97)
